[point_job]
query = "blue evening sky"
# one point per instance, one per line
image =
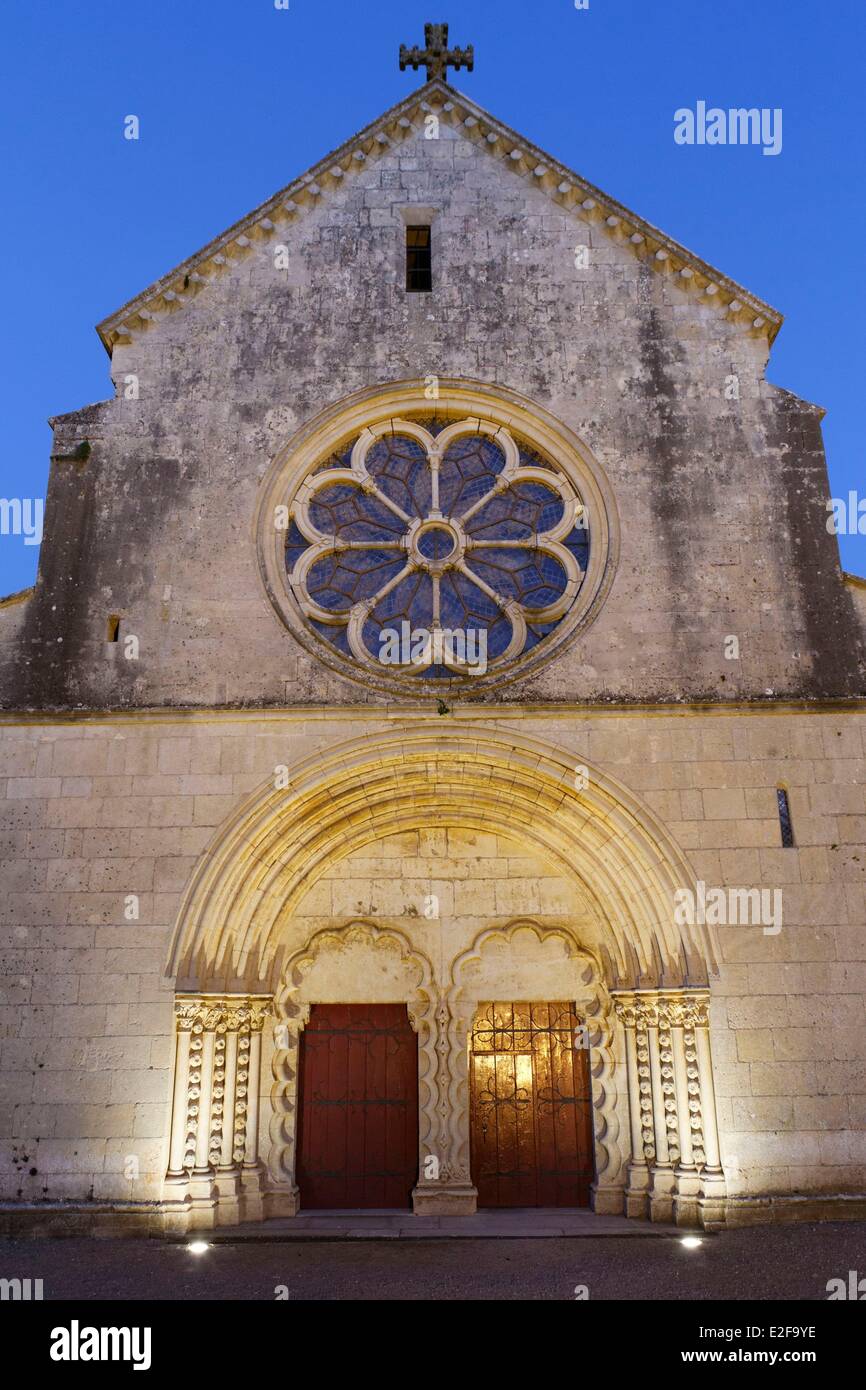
(235, 98)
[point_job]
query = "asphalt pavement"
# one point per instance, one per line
(771, 1262)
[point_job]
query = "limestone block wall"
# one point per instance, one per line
(104, 819)
(154, 525)
(445, 885)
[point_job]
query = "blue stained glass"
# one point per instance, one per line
(536, 632)
(433, 424)
(436, 544)
(477, 605)
(344, 511)
(335, 635)
(532, 577)
(341, 459)
(451, 606)
(296, 544)
(411, 599)
(533, 492)
(498, 638)
(529, 458)
(785, 825)
(468, 471)
(522, 511)
(578, 543)
(400, 468)
(524, 574)
(341, 580)
(328, 596)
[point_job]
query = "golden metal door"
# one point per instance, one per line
(531, 1121)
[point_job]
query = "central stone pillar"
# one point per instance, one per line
(444, 1186)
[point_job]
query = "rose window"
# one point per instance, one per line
(436, 549)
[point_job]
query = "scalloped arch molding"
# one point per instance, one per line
(229, 933)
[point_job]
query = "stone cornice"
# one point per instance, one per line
(10, 600)
(377, 713)
(562, 185)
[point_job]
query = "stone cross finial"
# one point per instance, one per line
(437, 57)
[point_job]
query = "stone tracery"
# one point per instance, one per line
(472, 512)
(454, 529)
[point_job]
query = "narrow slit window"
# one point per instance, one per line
(113, 632)
(419, 260)
(785, 818)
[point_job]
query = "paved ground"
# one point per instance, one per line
(510, 1223)
(781, 1262)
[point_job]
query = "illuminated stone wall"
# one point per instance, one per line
(108, 821)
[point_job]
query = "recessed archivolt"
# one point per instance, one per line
(230, 932)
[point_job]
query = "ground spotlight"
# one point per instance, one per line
(691, 1242)
(198, 1247)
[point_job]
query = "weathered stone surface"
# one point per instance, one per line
(721, 501)
(148, 856)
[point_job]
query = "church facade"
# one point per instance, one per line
(433, 750)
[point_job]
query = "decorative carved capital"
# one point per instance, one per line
(229, 1013)
(663, 1009)
(690, 1013)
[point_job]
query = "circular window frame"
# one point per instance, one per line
(343, 422)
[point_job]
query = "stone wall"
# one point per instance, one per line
(97, 809)
(721, 497)
(108, 821)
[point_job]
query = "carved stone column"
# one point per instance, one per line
(675, 1172)
(177, 1147)
(283, 1197)
(639, 1092)
(688, 1176)
(640, 1020)
(214, 1174)
(712, 1201)
(444, 1186)
(663, 1181)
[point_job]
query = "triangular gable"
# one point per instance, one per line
(563, 186)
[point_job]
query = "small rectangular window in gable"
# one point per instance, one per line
(419, 260)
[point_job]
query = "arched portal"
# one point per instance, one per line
(640, 976)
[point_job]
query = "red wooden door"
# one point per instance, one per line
(358, 1108)
(531, 1125)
